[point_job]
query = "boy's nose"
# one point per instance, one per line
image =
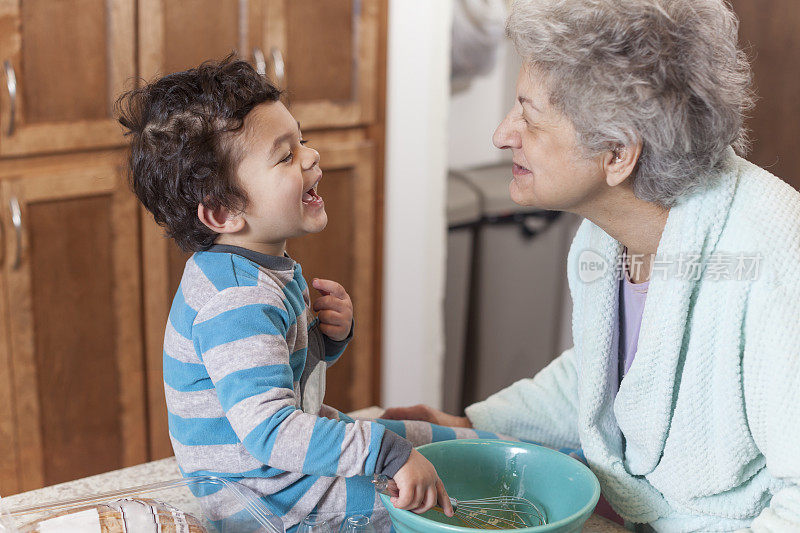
(310, 158)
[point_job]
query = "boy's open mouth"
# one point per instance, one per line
(310, 197)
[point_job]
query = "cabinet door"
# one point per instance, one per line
(71, 270)
(324, 53)
(175, 35)
(63, 65)
(346, 252)
(9, 476)
(163, 264)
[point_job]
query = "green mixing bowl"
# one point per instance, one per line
(562, 487)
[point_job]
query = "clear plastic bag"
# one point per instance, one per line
(218, 504)
(357, 524)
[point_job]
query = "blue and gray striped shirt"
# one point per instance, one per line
(244, 376)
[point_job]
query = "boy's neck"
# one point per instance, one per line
(277, 249)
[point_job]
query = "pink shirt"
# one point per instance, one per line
(631, 306)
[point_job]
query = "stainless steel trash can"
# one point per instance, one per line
(463, 215)
(518, 287)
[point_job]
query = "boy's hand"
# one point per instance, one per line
(334, 309)
(426, 414)
(420, 486)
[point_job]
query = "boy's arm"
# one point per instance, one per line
(334, 349)
(329, 412)
(335, 311)
(240, 336)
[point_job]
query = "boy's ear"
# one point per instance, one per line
(619, 163)
(220, 220)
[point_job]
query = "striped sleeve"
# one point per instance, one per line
(334, 349)
(241, 338)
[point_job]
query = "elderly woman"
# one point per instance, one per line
(683, 385)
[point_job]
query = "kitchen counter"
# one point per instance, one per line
(167, 469)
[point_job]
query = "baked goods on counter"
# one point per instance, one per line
(127, 515)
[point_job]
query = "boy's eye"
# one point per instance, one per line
(290, 155)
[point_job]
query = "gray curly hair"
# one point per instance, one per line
(667, 73)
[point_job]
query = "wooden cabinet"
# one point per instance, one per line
(87, 278)
(65, 62)
(162, 263)
(769, 32)
(324, 54)
(345, 252)
(63, 65)
(176, 35)
(71, 292)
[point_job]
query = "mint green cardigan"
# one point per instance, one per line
(704, 432)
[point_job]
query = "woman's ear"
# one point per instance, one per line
(620, 162)
(220, 220)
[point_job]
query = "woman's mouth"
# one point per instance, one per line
(311, 198)
(519, 170)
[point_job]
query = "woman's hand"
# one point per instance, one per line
(334, 309)
(426, 414)
(420, 487)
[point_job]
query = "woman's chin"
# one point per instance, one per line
(523, 196)
(516, 192)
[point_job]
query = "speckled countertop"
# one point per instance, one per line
(166, 470)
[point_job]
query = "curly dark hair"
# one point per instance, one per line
(182, 129)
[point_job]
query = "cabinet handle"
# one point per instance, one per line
(11, 83)
(261, 62)
(280, 66)
(16, 220)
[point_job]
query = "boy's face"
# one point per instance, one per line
(280, 176)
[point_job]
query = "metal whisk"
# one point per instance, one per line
(496, 512)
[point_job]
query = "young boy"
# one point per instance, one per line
(222, 166)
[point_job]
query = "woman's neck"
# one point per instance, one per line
(635, 223)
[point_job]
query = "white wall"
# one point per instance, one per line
(476, 112)
(416, 165)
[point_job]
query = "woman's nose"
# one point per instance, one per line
(504, 136)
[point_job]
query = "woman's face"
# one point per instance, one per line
(550, 171)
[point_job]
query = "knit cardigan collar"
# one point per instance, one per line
(625, 432)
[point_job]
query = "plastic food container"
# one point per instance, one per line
(243, 511)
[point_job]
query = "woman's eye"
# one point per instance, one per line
(303, 141)
(529, 125)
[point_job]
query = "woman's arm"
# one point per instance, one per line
(426, 413)
(771, 374)
(541, 409)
